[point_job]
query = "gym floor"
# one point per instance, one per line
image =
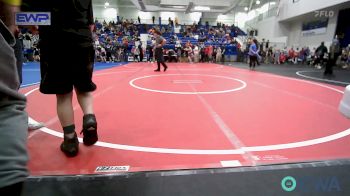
(196, 116)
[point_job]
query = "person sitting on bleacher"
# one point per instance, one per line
(36, 53)
(27, 45)
(189, 53)
(171, 55)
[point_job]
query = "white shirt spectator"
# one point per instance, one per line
(27, 44)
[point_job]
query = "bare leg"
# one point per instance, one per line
(65, 109)
(65, 112)
(86, 102)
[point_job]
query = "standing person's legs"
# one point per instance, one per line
(78, 73)
(165, 66)
(125, 55)
(158, 61)
(141, 57)
(254, 59)
(65, 111)
(329, 66)
(84, 87)
(159, 57)
(327, 69)
(85, 100)
(158, 66)
(250, 61)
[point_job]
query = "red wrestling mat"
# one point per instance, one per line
(194, 116)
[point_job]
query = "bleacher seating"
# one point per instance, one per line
(215, 41)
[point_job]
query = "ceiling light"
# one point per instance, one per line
(201, 8)
(258, 2)
(272, 3)
(246, 9)
(106, 4)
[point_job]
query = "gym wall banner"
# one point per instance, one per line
(314, 27)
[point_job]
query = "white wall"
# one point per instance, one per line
(297, 40)
(270, 29)
(106, 14)
(288, 9)
(213, 18)
(274, 29)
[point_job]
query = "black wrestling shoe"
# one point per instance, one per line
(165, 68)
(70, 146)
(89, 129)
(157, 70)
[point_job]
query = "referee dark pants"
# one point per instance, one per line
(160, 59)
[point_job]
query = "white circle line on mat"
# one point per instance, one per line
(244, 85)
(242, 150)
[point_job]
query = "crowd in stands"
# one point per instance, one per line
(119, 41)
(316, 56)
(30, 44)
(115, 41)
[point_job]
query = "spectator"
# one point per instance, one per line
(196, 54)
(277, 57)
(319, 54)
(141, 51)
(344, 58)
(334, 52)
(36, 54)
(171, 55)
(135, 50)
(267, 45)
(149, 53)
(218, 54)
(189, 53)
(210, 53)
(253, 54)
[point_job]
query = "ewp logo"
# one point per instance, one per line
(33, 18)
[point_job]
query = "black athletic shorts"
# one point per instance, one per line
(63, 68)
(159, 55)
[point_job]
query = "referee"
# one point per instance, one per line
(160, 42)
